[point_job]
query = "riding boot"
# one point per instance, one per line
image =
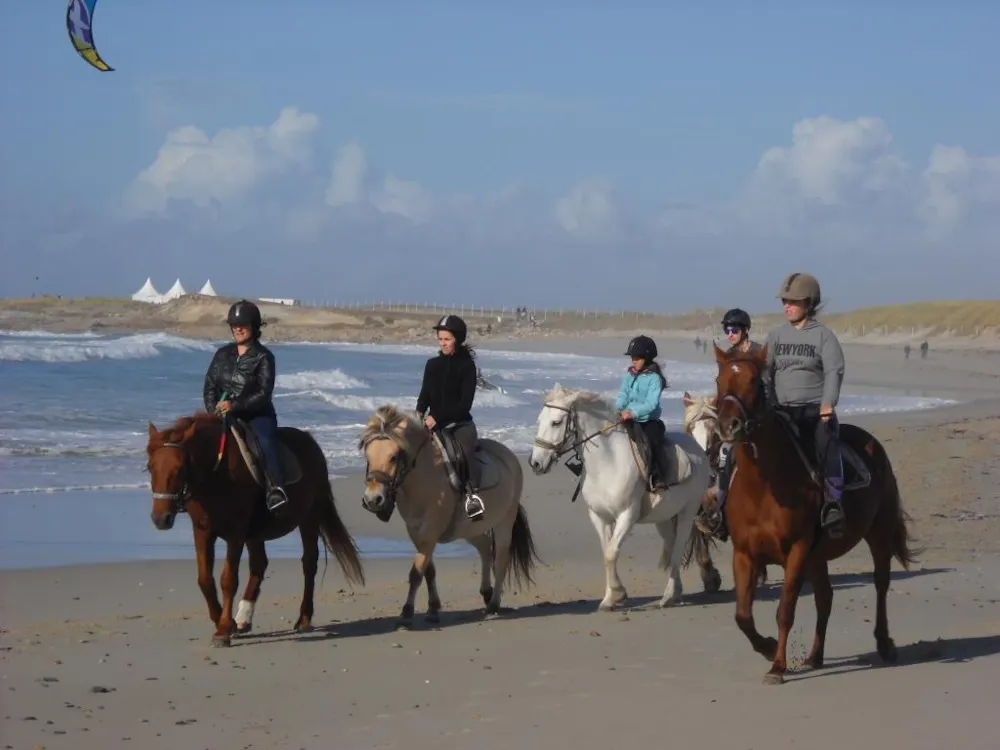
(832, 513)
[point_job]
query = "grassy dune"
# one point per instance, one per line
(970, 318)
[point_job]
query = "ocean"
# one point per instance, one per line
(74, 410)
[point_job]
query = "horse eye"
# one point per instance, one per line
(556, 422)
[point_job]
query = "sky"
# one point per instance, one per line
(592, 155)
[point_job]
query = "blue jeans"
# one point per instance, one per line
(265, 429)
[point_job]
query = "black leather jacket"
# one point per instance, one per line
(248, 380)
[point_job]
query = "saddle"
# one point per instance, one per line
(246, 440)
(455, 462)
(856, 472)
(674, 462)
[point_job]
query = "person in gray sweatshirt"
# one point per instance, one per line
(805, 369)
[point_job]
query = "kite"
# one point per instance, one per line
(79, 19)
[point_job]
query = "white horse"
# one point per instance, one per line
(614, 488)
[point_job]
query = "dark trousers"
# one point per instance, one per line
(466, 435)
(824, 437)
(656, 433)
(265, 429)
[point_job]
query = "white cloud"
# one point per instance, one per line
(403, 198)
(955, 184)
(347, 179)
(208, 171)
(588, 211)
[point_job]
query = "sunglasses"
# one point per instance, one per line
(733, 330)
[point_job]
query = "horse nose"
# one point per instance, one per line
(162, 521)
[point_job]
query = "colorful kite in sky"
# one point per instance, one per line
(79, 20)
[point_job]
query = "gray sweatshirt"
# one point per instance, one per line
(805, 366)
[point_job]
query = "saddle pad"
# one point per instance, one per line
(290, 466)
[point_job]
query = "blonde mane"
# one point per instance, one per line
(701, 407)
(586, 401)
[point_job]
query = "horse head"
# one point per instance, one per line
(386, 444)
(556, 428)
(740, 385)
(171, 464)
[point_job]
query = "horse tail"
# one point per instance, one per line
(699, 547)
(337, 540)
(901, 540)
(522, 550)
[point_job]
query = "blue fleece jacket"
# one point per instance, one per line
(640, 394)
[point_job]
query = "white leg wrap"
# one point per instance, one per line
(244, 613)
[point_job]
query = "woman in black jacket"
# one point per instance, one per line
(447, 391)
(243, 373)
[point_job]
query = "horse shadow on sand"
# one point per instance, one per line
(450, 618)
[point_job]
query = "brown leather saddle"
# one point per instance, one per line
(246, 440)
(856, 472)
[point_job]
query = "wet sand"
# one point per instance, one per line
(119, 655)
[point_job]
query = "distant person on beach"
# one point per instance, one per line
(240, 383)
(923, 350)
(906, 352)
(447, 392)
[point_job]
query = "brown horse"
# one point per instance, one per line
(773, 511)
(225, 499)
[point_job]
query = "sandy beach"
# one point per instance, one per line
(119, 655)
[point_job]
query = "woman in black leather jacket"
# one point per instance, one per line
(240, 382)
(447, 390)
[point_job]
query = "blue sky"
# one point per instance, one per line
(590, 154)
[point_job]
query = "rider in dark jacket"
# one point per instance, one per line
(240, 382)
(447, 391)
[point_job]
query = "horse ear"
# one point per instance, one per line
(403, 425)
(720, 356)
(687, 399)
(761, 356)
(189, 432)
(152, 429)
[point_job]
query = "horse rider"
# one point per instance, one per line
(736, 324)
(240, 383)
(805, 370)
(639, 402)
(447, 391)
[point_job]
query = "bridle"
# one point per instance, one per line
(571, 431)
(750, 419)
(404, 465)
(180, 497)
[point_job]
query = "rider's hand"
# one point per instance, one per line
(224, 407)
(430, 423)
(626, 416)
(825, 412)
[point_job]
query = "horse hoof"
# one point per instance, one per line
(888, 653)
(244, 629)
(303, 627)
(774, 678)
(713, 583)
(487, 594)
(770, 649)
(404, 625)
(672, 601)
(221, 641)
(433, 618)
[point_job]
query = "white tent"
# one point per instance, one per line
(148, 293)
(176, 291)
(208, 290)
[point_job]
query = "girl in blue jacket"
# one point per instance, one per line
(639, 400)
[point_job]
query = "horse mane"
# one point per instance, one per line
(587, 401)
(700, 406)
(391, 422)
(175, 433)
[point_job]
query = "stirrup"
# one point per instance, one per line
(832, 519)
(276, 498)
(474, 506)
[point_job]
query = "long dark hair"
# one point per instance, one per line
(654, 366)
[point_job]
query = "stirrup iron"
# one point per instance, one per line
(474, 506)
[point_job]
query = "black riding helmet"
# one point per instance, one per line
(244, 313)
(737, 317)
(453, 325)
(641, 347)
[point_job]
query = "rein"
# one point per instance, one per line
(561, 449)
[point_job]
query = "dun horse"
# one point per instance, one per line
(407, 470)
(225, 499)
(773, 510)
(614, 487)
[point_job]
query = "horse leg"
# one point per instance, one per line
(310, 562)
(882, 559)
(502, 536)
(421, 561)
(669, 561)
(230, 580)
(257, 558)
(615, 592)
(711, 578)
(204, 547)
(795, 568)
(484, 547)
(433, 597)
(744, 583)
(823, 594)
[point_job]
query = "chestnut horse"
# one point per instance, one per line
(773, 506)
(224, 500)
